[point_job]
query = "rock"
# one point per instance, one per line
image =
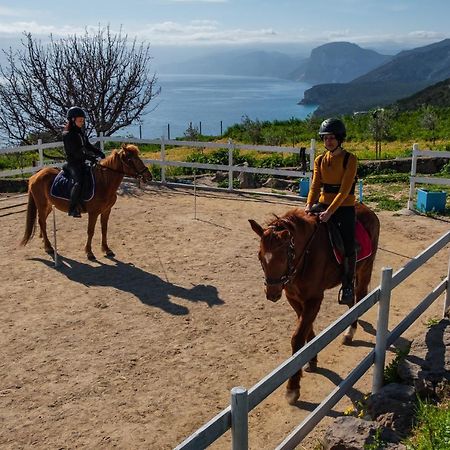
(393, 407)
(247, 180)
(277, 183)
(427, 366)
(351, 433)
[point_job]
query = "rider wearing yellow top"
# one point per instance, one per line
(333, 186)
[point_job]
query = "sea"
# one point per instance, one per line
(211, 103)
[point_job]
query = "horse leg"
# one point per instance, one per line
(362, 280)
(43, 213)
(303, 332)
(92, 220)
(104, 221)
(312, 364)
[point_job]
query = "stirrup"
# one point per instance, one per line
(346, 296)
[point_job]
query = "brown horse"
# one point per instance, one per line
(297, 257)
(108, 175)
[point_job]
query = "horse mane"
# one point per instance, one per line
(292, 219)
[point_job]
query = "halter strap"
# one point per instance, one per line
(292, 268)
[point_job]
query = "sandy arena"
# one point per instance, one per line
(139, 351)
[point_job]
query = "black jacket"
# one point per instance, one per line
(77, 147)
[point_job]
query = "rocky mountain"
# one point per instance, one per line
(337, 62)
(253, 63)
(436, 95)
(405, 74)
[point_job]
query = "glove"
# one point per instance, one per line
(101, 155)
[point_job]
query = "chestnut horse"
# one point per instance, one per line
(108, 175)
(297, 257)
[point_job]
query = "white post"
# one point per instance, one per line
(382, 329)
(239, 418)
(163, 159)
(412, 183)
(55, 248)
(41, 153)
(102, 143)
(447, 294)
(230, 163)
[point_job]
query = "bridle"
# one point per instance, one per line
(292, 268)
(127, 161)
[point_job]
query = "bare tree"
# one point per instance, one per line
(102, 73)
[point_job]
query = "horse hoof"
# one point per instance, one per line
(347, 340)
(110, 254)
(292, 395)
(311, 366)
(91, 257)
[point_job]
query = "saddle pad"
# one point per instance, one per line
(364, 244)
(62, 185)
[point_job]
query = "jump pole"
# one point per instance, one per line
(55, 249)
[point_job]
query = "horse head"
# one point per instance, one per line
(133, 165)
(276, 255)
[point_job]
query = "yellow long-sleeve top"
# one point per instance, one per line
(331, 171)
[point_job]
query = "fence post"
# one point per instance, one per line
(41, 153)
(412, 183)
(230, 163)
(239, 418)
(382, 328)
(163, 159)
(447, 293)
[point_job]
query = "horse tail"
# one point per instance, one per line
(31, 220)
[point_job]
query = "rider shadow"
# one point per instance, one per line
(148, 288)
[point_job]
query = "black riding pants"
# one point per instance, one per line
(344, 218)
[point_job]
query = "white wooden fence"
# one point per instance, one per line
(413, 180)
(164, 162)
(242, 401)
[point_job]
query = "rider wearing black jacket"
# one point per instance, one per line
(78, 150)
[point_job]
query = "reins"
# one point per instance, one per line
(292, 269)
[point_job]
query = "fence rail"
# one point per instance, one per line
(413, 179)
(227, 419)
(163, 162)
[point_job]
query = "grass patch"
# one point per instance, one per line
(432, 431)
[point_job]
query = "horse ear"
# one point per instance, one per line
(124, 146)
(256, 227)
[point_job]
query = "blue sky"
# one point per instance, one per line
(205, 24)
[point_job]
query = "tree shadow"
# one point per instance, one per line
(147, 287)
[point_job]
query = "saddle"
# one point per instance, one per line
(63, 182)
(363, 244)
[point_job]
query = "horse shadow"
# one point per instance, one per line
(353, 394)
(126, 277)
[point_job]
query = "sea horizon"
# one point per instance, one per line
(216, 102)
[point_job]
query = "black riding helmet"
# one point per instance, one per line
(75, 111)
(333, 126)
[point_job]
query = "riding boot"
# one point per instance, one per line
(347, 292)
(74, 198)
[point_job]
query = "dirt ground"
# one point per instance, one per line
(141, 350)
